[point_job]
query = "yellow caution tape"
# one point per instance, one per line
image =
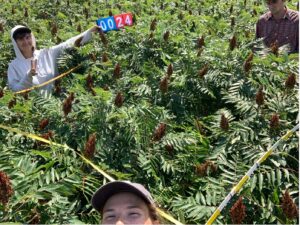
(35, 137)
(49, 81)
(246, 177)
(32, 136)
(213, 217)
(241, 183)
(265, 156)
(168, 217)
(96, 168)
(287, 135)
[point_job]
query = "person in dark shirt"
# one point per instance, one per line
(279, 26)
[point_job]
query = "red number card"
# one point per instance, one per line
(127, 18)
(119, 21)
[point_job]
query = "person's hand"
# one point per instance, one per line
(95, 29)
(77, 43)
(32, 71)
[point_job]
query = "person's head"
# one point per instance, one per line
(23, 41)
(123, 202)
(21, 32)
(275, 6)
(23, 38)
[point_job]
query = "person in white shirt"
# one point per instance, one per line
(32, 67)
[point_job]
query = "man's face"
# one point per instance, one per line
(25, 43)
(125, 208)
(275, 6)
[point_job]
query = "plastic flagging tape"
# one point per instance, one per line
(248, 174)
(49, 81)
(87, 161)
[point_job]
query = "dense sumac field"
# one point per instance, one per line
(184, 102)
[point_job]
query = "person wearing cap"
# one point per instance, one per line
(124, 202)
(33, 67)
(279, 26)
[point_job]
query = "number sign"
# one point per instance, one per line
(115, 22)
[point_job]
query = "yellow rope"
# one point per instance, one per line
(247, 176)
(35, 137)
(49, 81)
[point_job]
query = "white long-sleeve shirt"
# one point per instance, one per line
(18, 70)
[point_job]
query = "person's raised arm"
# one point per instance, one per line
(80, 39)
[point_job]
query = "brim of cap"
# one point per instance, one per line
(21, 29)
(104, 193)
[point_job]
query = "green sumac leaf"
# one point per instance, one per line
(278, 176)
(275, 196)
(286, 174)
(45, 155)
(260, 181)
(273, 177)
(253, 183)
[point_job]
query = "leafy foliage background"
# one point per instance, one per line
(191, 168)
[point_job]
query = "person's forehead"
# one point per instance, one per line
(125, 199)
(274, 1)
(26, 34)
(22, 36)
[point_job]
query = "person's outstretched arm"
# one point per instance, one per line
(83, 38)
